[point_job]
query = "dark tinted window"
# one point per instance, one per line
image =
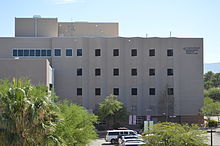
(79, 71)
(32, 52)
(37, 52)
(48, 52)
(115, 52)
(170, 52)
(116, 72)
(170, 91)
(69, 52)
(26, 52)
(43, 53)
(57, 52)
(133, 52)
(20, 53)
(97, 52)
(152, 91)
(79, 52)
(169, 72)
(151, 72)
(151, 52)
(116, 91)
(125, 133)
(97, 72)
(97, 91)
(133, 91)
(15, 52)
(79, 91)
(113, 133)
(134, 72)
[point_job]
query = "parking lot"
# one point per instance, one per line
(216, 140)
(100, 142)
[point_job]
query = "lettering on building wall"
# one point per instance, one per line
(191, 50)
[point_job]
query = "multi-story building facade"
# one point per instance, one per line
(160, 77)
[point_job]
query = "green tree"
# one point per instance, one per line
(76, 127)
(211, 107)
(27, 114)
(213, 93)
(173, 134)
(211, 80)
(112, 110)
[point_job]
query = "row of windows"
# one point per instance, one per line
(20, 52)
(133, 72)
(134, 91)
(115, 52)
(69, 52)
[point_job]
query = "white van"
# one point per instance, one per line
(112, 135)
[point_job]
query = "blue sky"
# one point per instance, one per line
(184, 18)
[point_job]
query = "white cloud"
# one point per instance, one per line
(59, 2)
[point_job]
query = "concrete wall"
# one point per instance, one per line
(187, 63)
(36, 27)
(87, 29)
(35, 70)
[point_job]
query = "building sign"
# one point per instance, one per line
(191, 50)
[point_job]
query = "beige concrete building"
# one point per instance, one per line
(85, 62)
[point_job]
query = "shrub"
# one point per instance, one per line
(212, 123)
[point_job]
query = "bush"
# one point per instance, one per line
(212, 123)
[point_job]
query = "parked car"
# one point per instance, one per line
(112, 135)
(128, 137)
(132, 142)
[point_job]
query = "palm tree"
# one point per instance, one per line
(27, 114)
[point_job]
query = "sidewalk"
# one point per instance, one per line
(216, 137)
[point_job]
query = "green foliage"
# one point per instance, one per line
(112, 110)
(211, 107)
(76, 128)
(211, 80)
(27, 114)
(173, 134)
(212, 123)
(213, 93)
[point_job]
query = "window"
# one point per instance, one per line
(37, 52)
(15, 52)
(151, 91)
(170, 52)
(151, 72)
(133, 52)
(43, 53)
(134, 72)
(79, 91)
(97, 52)
(115, 52)
(26, 52)
(97, 91)
(97, 72)
(79, 71)
(57, 52)
(152, 52)
(169, 72)
(170, 91)
(79, 52)
(133, 91)
(116, 71)
(32, 52)
(116, 91)
(20, 52)
(48, 52)
(69, 52)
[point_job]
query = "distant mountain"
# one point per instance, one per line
(214, 67)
